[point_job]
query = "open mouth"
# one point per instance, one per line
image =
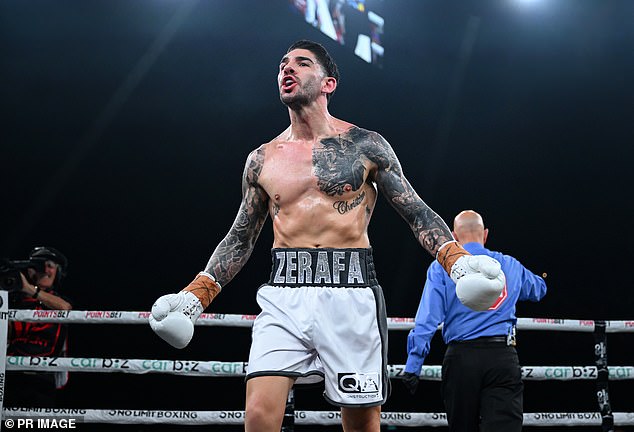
(288, 84)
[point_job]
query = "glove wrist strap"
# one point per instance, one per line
(204, 287)
(449, 253)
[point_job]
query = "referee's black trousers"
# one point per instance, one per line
(482, 387)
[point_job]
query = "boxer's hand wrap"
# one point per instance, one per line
(174, 315)
(479, 279)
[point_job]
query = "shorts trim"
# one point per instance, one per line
(318, 376)
(359, 405)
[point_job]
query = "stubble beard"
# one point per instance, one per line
(303, 97)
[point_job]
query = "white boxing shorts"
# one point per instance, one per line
(323, 319)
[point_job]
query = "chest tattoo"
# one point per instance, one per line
(344, 207)
(337, 164)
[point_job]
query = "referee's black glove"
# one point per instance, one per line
(411, 381)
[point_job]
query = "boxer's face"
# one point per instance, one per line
(300, 78)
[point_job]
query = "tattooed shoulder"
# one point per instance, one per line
(377, 149)
(253, 168)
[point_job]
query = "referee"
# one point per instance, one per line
(481, 386)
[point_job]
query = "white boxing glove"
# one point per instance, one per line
(479, 281)
(173, 317)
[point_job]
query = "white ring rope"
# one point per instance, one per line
(238, 369)
(237, 320)
(325, 418)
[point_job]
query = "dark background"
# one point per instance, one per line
(126, 124)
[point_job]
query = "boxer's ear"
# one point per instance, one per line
(328, 85)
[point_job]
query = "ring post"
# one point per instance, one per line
(4, 330)
(601, 361)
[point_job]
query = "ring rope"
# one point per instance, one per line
(238, 369)
(237, 320)
(325, 418)
(601, 373)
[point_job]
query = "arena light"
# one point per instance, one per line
(528, 4)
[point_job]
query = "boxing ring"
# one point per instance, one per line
(601, 372)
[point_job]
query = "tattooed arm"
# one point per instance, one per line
(173, 315)
(234, 250)
(429, 228)
(479, 279)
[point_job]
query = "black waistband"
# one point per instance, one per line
(495, 340)
(351, 267)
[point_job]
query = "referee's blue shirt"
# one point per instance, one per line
(439, 304)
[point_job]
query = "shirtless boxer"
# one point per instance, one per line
(323, 314)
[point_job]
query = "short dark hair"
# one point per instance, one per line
(323, 57)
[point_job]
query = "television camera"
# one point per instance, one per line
(10, 270)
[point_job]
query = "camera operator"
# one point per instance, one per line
(40, 290)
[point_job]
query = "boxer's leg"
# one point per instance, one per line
(361, 419)
(266, 402)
